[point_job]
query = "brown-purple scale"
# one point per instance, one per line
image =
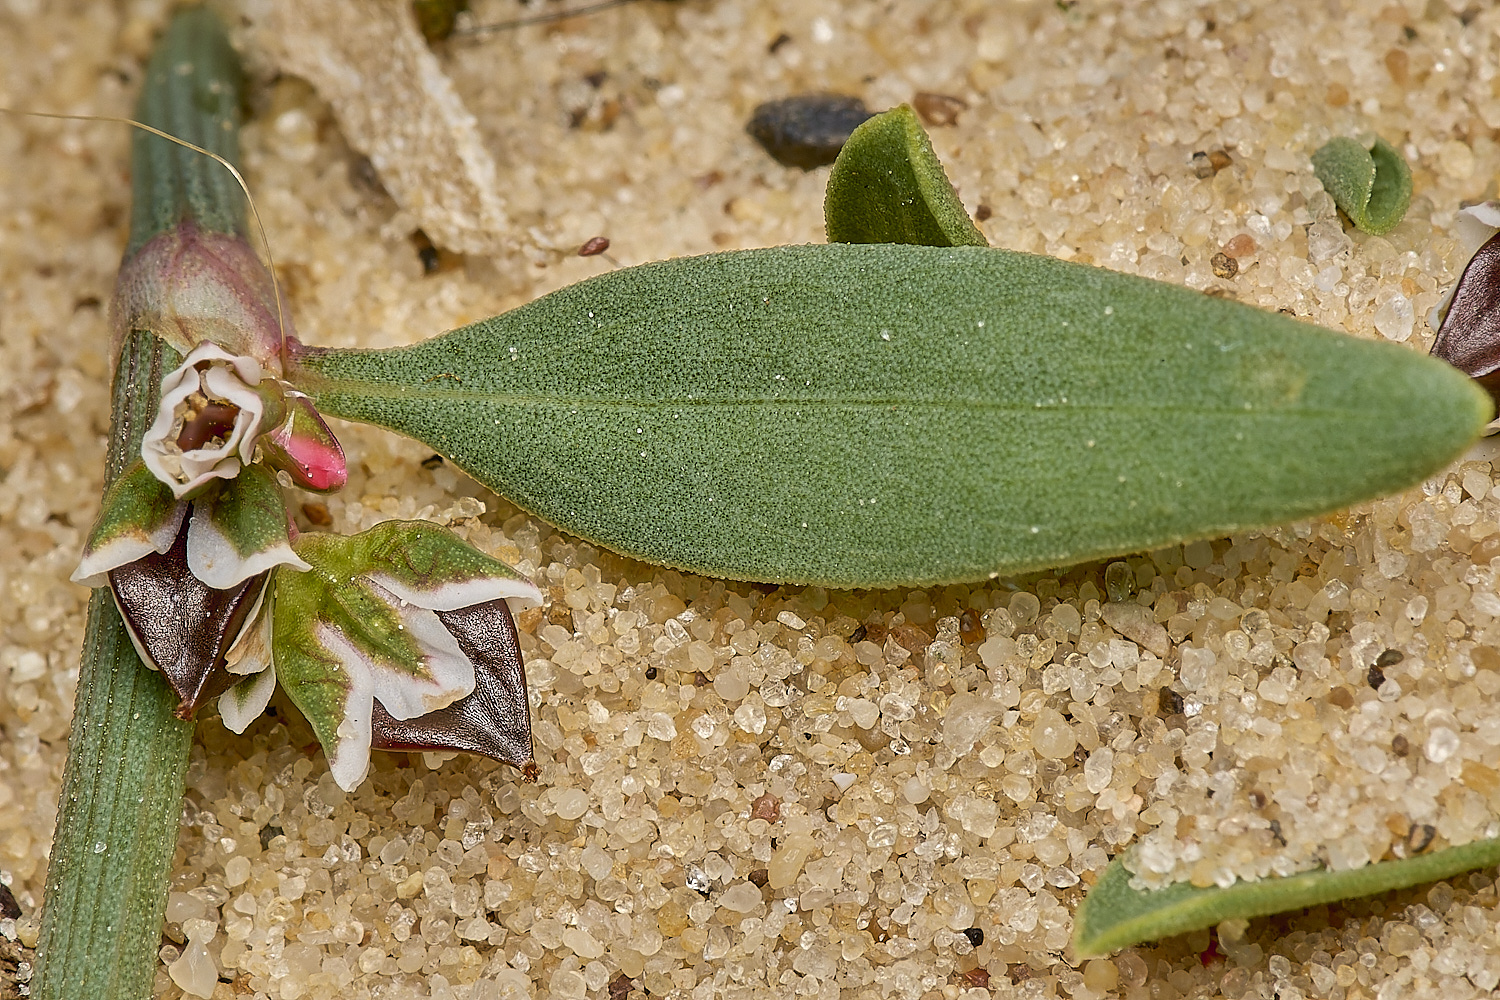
(184, 625)
(1469, 338)
(495, 719)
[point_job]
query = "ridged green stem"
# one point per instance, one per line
(128, 754)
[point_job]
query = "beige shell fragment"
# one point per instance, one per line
(396, 106)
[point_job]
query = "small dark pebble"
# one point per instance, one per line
(9, 908)
(432, 461)
(1419, 838)
(1400, 745)
(269, 833)
(619, 987)
(975, 978)
(596, 78)
(938, 110)
(436, 18)
(650, 673)
(1389, 658)
(1276, 832)
(594, 246)
(808, 130)
(982, 213)
(975, 935)
(428, 254)
(1205, 165)
(778, 42)
(1257, 798)
(363, 175)
(1224, 265)
(1375, 677)
(1169, 702)
(760, 877)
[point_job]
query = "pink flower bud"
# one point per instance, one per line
(304, 448)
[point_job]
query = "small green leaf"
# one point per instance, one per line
(880, 415)
(240, 530)
(1114, 916)
(888, 186)
(137, 517)
(1372, 186)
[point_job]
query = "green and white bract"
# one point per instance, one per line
(367, 625)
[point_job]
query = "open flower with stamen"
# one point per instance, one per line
(208, 420)
(399, 638)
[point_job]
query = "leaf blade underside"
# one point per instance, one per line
(877, 415)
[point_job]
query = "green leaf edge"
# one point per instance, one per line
(1114, 916)
(886, 161)
(1372, 186)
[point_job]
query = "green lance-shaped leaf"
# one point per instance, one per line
(1114, 916)
(1372, 186)
(888, 186)
(880, 415)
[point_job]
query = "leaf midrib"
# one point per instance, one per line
(380, 390)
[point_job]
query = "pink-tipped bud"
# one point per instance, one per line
(304, 448)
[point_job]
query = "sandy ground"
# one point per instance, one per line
(752, 792)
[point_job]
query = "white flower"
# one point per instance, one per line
(209, 418)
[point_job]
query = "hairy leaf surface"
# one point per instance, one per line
(888, 186)
(881, 415)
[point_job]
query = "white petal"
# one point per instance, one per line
(1475, 225)
(517, 593)
(162, 461)
(213, 558)
(251, 651)
(451, 673)
(244, 703)
(350, 761)
(93, 569)
(217, 382)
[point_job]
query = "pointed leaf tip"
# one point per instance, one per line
(138, 516)
(241, 530)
